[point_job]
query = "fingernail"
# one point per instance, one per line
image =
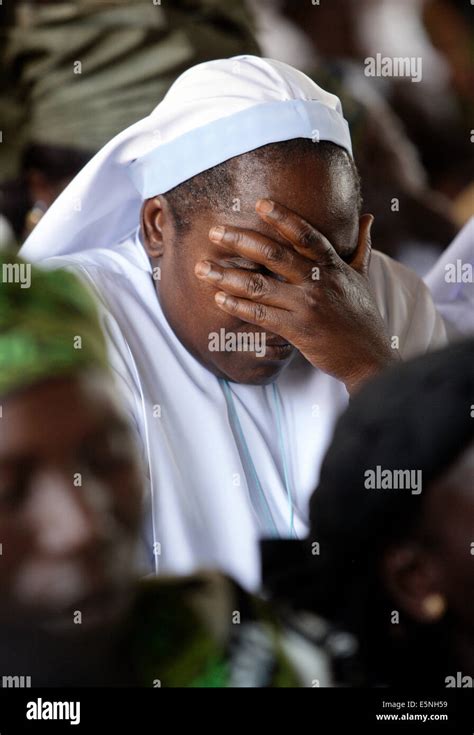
(220, 297)
(265, 205)
(202, 269)
(217, 233)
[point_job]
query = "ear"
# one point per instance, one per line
(153, 220)
(413, 581)
(361, 258)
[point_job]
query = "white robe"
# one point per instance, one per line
(451, 284)
(199, 500)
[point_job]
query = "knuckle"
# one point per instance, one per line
(240, 238)
(307, 236)
(259, 312)
(257, 285)
(312, 298)
(272, 253)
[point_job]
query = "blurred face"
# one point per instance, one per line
(323, 195)
(70, 502)
(448, 532)
(433, 574)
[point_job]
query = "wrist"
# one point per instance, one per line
(366, 371)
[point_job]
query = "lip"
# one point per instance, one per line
(277, 343)
(273, 339)
(279, 350)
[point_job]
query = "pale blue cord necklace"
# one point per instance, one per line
(257, 495)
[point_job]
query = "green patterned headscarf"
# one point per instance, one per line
(48, 325)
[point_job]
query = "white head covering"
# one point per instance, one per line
(214, 111)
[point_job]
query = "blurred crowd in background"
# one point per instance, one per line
(74, 74)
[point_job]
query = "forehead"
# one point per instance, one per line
(320, 191)
(56, 413)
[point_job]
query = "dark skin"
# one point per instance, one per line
(438, 562)
(298, 273)
(62, 542)
(66, 547)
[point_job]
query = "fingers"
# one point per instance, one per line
(262, 315)
(305, 238)
(246, 284)
(253, 246)
(361, 260)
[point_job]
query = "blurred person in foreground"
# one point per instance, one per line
(391, 559)
(224, 240)
(72, 611)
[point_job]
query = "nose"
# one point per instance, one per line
(67, 519)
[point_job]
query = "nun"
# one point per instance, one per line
(223, 238)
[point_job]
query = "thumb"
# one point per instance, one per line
(361, 260)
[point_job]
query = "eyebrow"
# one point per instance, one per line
(104, 428)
